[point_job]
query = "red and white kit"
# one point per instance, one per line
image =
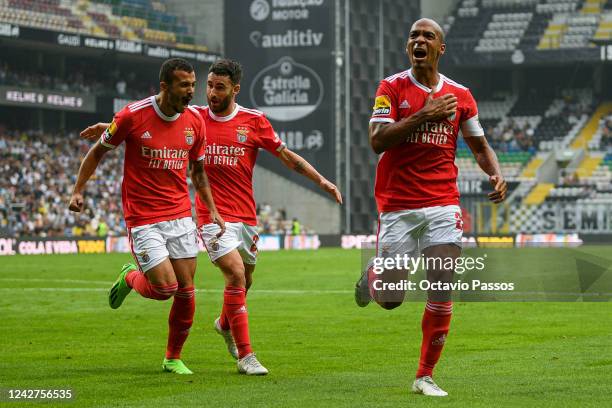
(233, 143)
(154, 191)
(416, 181)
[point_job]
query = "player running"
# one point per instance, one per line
(417, 116)
(162, 137)
(235, 135)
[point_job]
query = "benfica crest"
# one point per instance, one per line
(241, 134)
(189, 136)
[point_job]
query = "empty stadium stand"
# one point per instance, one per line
(490, 26)
(142, 20)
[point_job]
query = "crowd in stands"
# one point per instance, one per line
(511, 137)
(520, 135)
(271, 221)
(78, 81)
(38, 171)
(606, 133)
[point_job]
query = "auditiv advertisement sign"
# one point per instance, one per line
(285, 48)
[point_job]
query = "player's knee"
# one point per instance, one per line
(235, 274)
(165, 296)
(238, 280)
(164, 292)
(185, 283)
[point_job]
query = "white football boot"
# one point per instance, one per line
(427, 386)
(250, 366)
(229, 339)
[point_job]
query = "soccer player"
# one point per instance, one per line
(417, 116)
(235, 135)
(162, 136)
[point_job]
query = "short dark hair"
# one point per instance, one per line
(171, 65)
(227, 67)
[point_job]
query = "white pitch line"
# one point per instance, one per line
(56, 280)
(108, 283)
(312, 292)
(269, 291)
(264, 291)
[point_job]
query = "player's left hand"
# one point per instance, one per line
(331, 188)
(499, 189)
(93, 132)
(217, 219)
(76, 202)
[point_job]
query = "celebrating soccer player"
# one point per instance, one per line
(162, 135)
(235, 135)
(416, 120)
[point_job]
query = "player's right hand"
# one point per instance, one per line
(439, 108)
(76, 202)
(500, 188)
(94, 132)
(216, 218)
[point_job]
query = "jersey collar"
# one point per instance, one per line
(162, 114)
(423, 87)
(224, 118)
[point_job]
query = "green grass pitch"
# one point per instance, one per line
(58, 331)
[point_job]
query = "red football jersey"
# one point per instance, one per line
(421, 172)
(233, 143)
(158, 149)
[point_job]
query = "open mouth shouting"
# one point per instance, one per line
(419, 54)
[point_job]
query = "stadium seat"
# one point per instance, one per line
(128, 19)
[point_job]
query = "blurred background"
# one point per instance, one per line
(540, 71)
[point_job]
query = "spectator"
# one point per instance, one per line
(296, 227)
(121, 87)
(37, 170)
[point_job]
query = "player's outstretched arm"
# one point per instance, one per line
(296, 162)
(384, 136)
(94, 132)
(88, 167)
(200, 182)
(487, 160)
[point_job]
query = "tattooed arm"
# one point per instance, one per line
(296, 162)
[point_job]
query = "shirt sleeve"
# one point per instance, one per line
(198, 150)
(118, 130)
(469, 123)
(385, 104)
(268, 139)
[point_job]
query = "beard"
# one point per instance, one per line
(178, 102)
(221, 105)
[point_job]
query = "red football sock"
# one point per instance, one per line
(180, 321)
(139, 282)
(234, 304)
(223, 321)
(435, 325)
